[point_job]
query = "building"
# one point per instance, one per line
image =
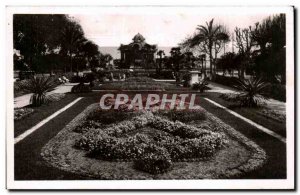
(138, 54)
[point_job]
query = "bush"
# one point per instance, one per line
(163, 75)
(20, 113)
(277, 91)
(81, 88)
(252, 91)
(186, 80)
(110, 116)
(152, 153)
(200, 86)
(39, 86)
(183, 115)
(155, 160)
(76, 79)
(140, 79)
(228, 81)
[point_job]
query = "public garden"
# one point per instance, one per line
(237, 130)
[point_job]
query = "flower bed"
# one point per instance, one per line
(152, 147)
(179, 142)
(20, 113)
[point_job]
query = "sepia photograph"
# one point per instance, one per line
(150, 97)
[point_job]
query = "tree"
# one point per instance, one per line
(91, 53)
(244, 43)
(208, 38)
(160, 53)
(36, 35)
(228, 63)
(270, 37)
(72, 40)
(175, 62)
(105, 60)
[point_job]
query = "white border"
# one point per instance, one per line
(155, 184)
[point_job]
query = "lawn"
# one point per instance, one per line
(139, 83)
(159, 145)
(40, 113)
(259, 115)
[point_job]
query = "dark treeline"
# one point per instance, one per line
(50, 43)
(259, 49)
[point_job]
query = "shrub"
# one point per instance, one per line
(110, 116)
(223, 80)
(163, 75)
(276, 91)
(87, 125)
(76, 79)
(155, 160)
(183, 115)
(186, 80)
(20, 113)
(39, 86)
(201, 86)
(139, 79)
(252, 92)
(81, 88)
(151, 153)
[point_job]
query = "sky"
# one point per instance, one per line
(163, 30)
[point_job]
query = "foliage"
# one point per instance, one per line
(270, 37)
(228, 63)
(154, 152)
(137, 83)
(252, 92)
(155, 160)
(164, 74)
(48, 42)
(160, 53)
(39, 86)
(184, 116)
(20, 113)
(200, 86)
(140, 79)
(209, 39)
(186, 80)
(81, 88)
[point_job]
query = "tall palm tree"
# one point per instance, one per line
(210, 37)
(72, 40)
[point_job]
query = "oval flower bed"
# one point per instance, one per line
(151, 146)
(153, 154)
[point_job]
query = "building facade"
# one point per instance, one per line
(138, 54)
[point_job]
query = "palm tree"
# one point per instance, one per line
(72, 40)
(210, 37)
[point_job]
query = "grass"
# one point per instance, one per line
(253, 114)
(124, 85)
(275, 166)
(60, 152)
(41, 113)
(28, 162)
(35, 168)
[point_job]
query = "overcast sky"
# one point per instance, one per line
(163, 30)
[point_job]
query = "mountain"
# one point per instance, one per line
(115, 53)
